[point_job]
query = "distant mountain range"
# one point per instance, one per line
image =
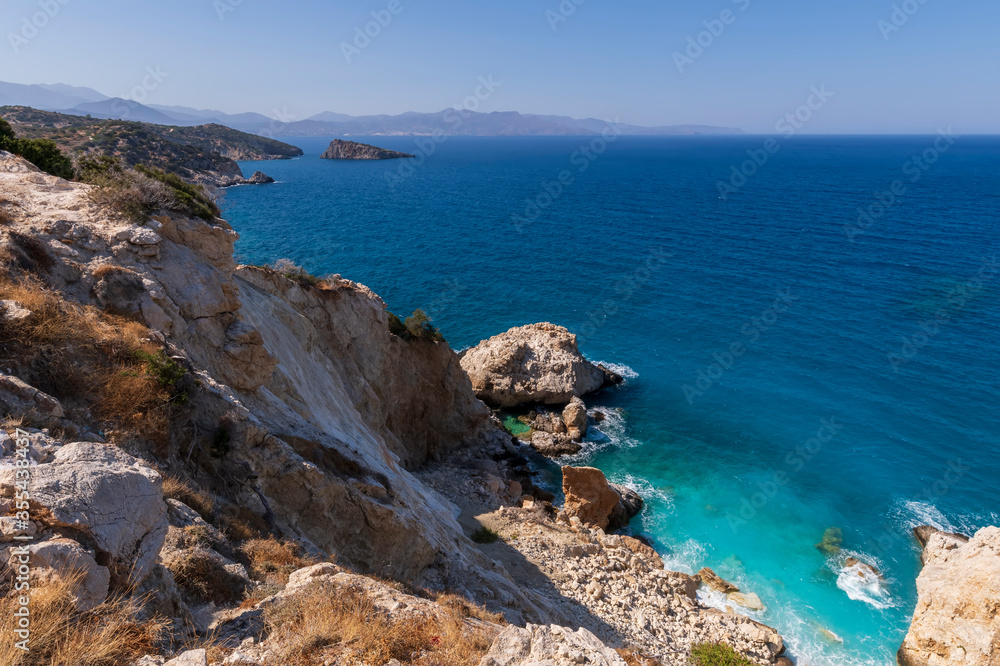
(75, 100)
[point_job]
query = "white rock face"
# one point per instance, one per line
(539, 363)
(957, 619)
(107, 499)
(549, 646)
(57, 557)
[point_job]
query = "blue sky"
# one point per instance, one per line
(605, 60)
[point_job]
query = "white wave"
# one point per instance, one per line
(924, 513)
(645, 489)
(620, 369)
(860, 582)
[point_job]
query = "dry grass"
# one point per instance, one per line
(272, 561)
(110, 634)
(109, 269)
(201, 574)
(178, 489)
(635, 658)
(79, 353)
(466, 608)
(328, 621)
(6, 217)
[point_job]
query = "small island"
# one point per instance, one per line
(352, 150)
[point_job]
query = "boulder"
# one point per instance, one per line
(628, 507)
(746, 600)
(591, 498)
(574, 416)
(716, 582)
(956, 620)
(554, 445)
(14, 312)
(19, 399)
(190, 658)
(105, 499)
(538, 363)
(833, 537)
(551, 645)
(59, 557)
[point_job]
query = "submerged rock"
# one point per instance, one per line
(538, 363)
(956, 620)
(833, 537)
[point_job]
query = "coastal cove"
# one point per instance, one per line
(784, 376)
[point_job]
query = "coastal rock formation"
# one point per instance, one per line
(538, 363)
(596, 502)
(956, 620)
(574, 416)
(714, 581)
(259, 178)
(352, 150)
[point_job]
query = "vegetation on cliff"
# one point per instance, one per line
(43, 153)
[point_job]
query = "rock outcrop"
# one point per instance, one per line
(534, 364)
(352, 150)
(259, 178)
(596, 502)
(551, 645)
(957, 619)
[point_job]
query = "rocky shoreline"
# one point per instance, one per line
(291, 451)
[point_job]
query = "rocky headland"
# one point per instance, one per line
(352, 150)
(249, 466)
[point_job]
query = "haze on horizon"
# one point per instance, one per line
(909, 66)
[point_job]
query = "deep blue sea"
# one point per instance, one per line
(792, 367)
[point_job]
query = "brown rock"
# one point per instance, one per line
(574, 416)
(588, 495)
(642, 550)
(714, 581)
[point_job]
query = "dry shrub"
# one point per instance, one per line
(240, 524)
(6, 217)
(109, 269)
(78, 352)
(108, 635)
(271, 560)
(200, 573)
(178, 489)
(466, 608)
(133, 195)
(328, 621)
(635, 658)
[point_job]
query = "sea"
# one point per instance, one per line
(808, 326)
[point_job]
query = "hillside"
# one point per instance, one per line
(203, 154)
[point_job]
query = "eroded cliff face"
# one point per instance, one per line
(322, 409)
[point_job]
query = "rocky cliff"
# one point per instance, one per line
(957, 619)
(351, 150)
(296, 410)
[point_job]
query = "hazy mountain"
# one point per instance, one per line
(47, 96)
(83, 101)
(121, 109)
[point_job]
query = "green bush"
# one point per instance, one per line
(167, 372)
(191, 199)
(717, 654)
(43, 153)
(420, 327)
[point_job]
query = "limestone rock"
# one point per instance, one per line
(352, 150)
(190, 658)
(57, 557)
(554, 445)
(643, 550)
(957, 620)
(936, 543)
(589, 497)
(259, 178)
(539, 363)
(746, 600)
(17, 398)
(12, 311)
(628, 507)
(549, 646)
(119, 291)
(575, 417)
(107, 499)
(716, 582)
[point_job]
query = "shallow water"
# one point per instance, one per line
(805, 408)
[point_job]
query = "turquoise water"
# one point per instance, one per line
(810, 424)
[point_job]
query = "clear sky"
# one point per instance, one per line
(607, 59)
